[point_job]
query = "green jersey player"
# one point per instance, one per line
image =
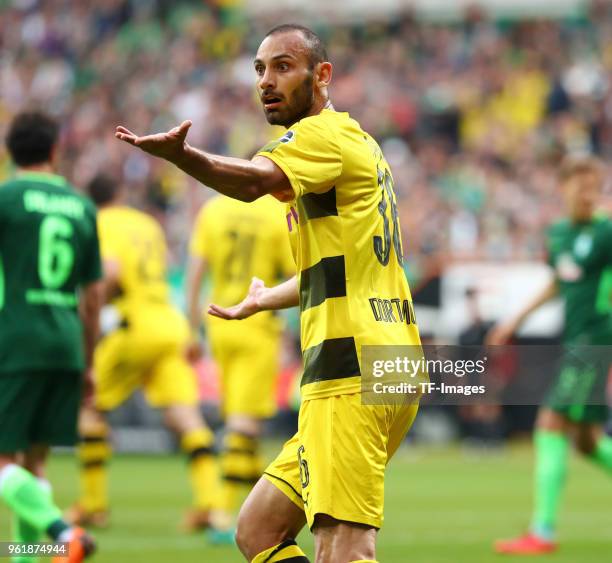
(49, 269)
(580, 252)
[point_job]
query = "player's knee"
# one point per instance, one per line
(92, 421)
(244, 424)
(243, 536)
(586, 443)
(551, 421)
(7, 459)
(337, 541)
(254, 535)
(182, 418)
(34, 459)
(584, 448)
(249, 537)
(339, 552)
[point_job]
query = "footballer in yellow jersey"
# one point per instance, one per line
(234, 242)
(351, 290)
(144, 346)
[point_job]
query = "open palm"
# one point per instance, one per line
(169, 145)
(247, 307)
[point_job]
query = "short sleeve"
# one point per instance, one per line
(309, 154)
(110, 241)
(198, 245)
(92, 267)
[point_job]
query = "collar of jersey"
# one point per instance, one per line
(328, 110)
(46, 177)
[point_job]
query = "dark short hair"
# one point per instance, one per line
(316, 50)
(577, 165)
(103, 188)
(31, 138)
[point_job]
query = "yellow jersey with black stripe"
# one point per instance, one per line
(347, 243)
(239, 241)
(136, 242)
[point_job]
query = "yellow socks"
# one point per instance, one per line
(94, 452)
(287, 551)
(204, 472)
(241, 466)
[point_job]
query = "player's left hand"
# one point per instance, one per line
(169, 145)
(247, 307)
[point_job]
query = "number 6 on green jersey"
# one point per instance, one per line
(55, 253)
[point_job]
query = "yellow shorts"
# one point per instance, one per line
(149, 353)
(248, 360)
(335, 464)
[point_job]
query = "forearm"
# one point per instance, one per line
(545, 295)
(195, 273)
(194, 314)
(282, 296)
(245, 180)
(234, 177)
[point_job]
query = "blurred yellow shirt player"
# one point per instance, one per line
(148, 344)
(235, 242)
(144, 345)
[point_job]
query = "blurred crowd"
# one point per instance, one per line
(473, 116)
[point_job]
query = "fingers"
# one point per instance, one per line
(125, 130)
(181, 130)
(220, 312)
(184, 127)
(124, 135)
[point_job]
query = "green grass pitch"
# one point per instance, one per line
(442, 506)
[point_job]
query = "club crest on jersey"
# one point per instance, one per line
(287, 137)
(583, 245)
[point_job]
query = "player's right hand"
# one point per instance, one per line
(169, 145)
(500, 334)
(247, 307)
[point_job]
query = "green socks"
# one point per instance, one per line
(30, 501)
(602, 455)
(551, 468)
(23, 532)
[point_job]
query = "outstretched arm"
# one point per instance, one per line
(260, 298)
(501, 333)
(245, 180)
